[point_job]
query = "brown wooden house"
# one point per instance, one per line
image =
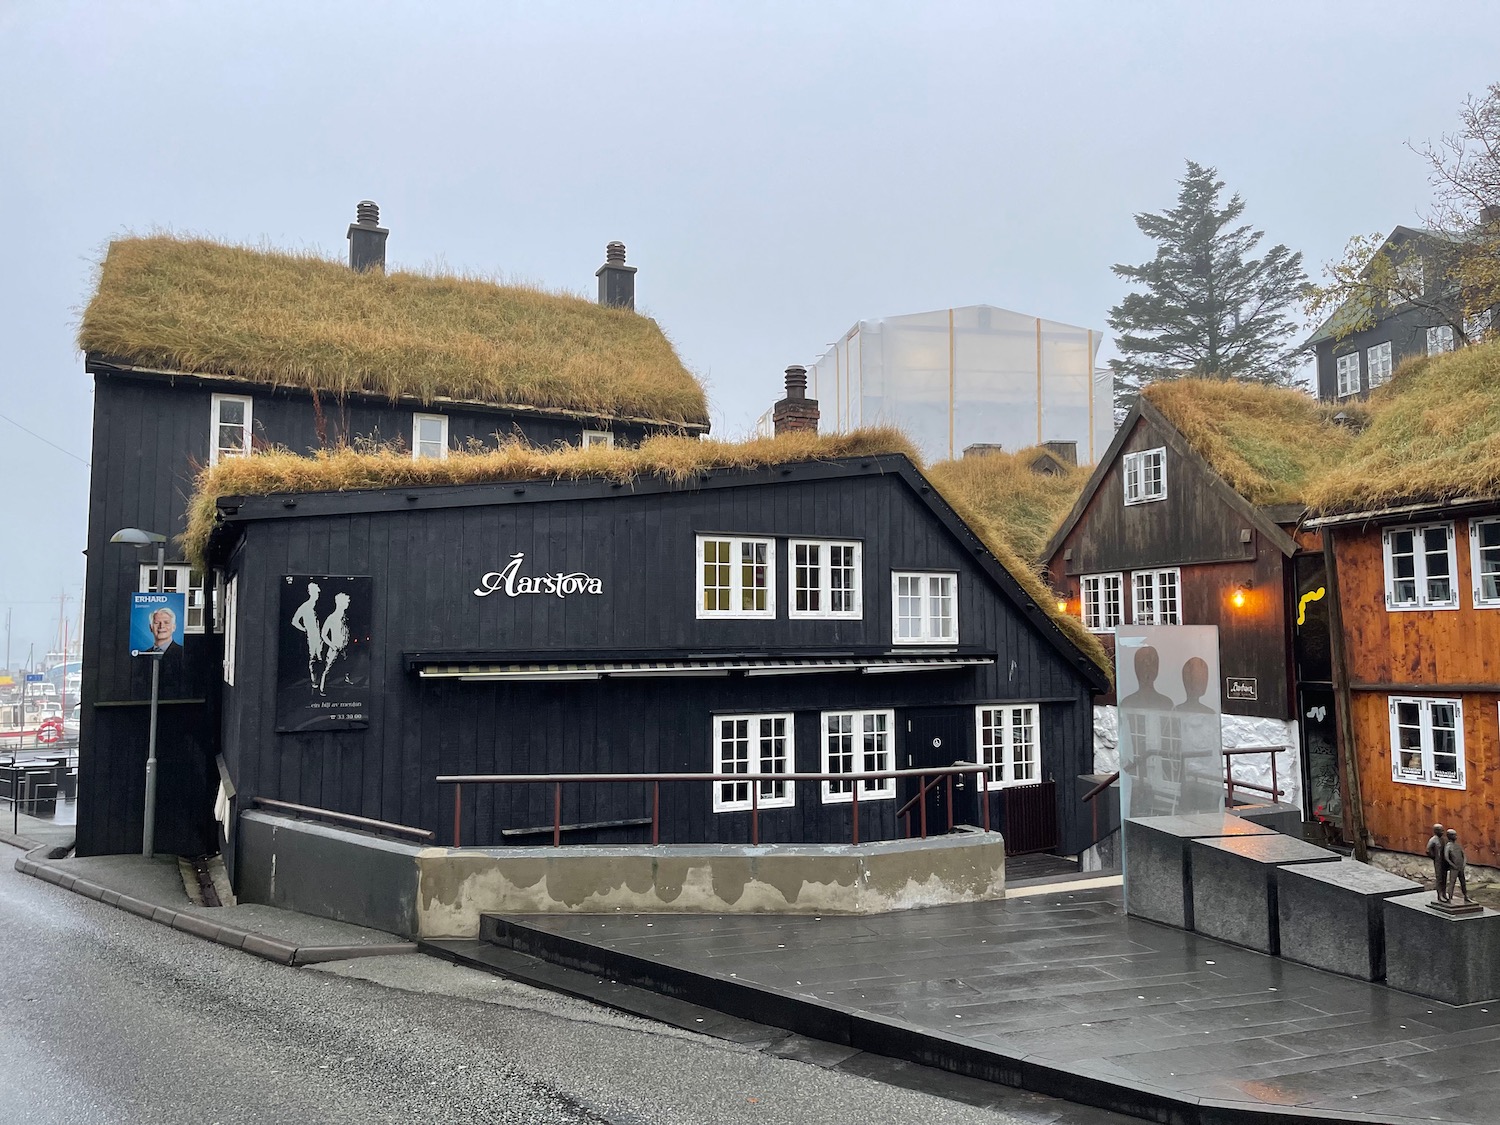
(1412, 520)
(1191, 518)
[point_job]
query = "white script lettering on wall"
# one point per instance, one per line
(513, 583)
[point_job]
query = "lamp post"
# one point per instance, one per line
(135, 537)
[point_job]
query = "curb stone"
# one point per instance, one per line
(34, 864)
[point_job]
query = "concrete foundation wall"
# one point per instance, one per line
(457, 886)
(328, 872)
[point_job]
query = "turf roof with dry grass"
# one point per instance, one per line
(1270, 444)
(1433, 437)
(668, 457)
(1022, 506)
(299, 320)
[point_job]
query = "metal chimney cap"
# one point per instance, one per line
(367, 213)
(614, 254)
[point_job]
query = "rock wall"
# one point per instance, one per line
(1237, 730)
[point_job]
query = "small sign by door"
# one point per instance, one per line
(1240, 687)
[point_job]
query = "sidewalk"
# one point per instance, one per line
(152, 888)
(1061, 993)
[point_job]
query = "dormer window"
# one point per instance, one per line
(231, 425)
(598, 437)
(429, 437)
(1146, 476)
(1410, 283)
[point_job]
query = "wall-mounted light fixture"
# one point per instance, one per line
(1240, 595)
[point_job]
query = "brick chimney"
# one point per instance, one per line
(616, 279)
(367, 239)
(796, 412)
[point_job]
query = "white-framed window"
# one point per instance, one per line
(1156, 597)
(177, 578)
(1419, 567)
(1006, 735)
(1427, 741)
(760, 747)
(598, 437)
(232, 422)
(1440, 339)
(1145, 476)
(1348, 369)
(736, 576)
(1410, 282)
(825, 579)
(1102, 608)
(858, 742)
(1484, 562)
(429, 437)
(1477, 327)
(231, 626)
(1378, 364)
(924, 608)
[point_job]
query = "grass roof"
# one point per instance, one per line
(1434, 436)
(1021, 505)
(299, 320)
(1269, 443)
(670, 458)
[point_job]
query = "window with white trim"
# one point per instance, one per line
(1348, 370)
(1145, 476)
(1155, 597)
(1102, 598)
(1440, 339)
(825, 579)
(760, 747)
(924, 608)
(1410, 283)
(231, 425)
(429, 437)
(598, 437)
(1477, 327)
(1378, 364)
(1008, 746)
(1484, 562)
(1427, 741)
(1419, 567)
(858, 742)
(736, 577)
(177, 578)
(231, 626)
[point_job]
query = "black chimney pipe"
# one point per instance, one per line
(616, 279)
(367, 239)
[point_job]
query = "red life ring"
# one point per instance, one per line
(49, 732)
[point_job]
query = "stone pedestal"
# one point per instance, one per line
(1332, 915)
(1234, 886)
(1158, 867)
(1452, 958)
(1286, 819)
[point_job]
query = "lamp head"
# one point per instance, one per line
(135, 537)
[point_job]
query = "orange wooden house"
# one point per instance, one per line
(1411, 527)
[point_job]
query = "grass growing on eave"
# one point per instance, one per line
(1434, 436)
(1023, 506)
(1269, 443)
(665, 458)
(303, 321)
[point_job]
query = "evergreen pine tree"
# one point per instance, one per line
(1204, 306)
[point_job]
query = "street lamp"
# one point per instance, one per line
(142, 540)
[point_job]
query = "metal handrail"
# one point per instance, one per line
(1274, 790)
(558, 780)
(347, 818)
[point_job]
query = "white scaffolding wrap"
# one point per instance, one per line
(958, 377)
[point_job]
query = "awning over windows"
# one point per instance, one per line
(770, 666)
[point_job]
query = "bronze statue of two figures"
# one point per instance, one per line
(1448, 864)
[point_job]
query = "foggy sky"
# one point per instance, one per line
(778, 171)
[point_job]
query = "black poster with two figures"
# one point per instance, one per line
(323, 653)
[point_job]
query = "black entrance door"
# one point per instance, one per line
(939, 737)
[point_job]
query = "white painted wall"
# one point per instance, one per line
(1238, 730)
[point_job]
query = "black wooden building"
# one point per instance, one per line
(819, 616)
(177, 388)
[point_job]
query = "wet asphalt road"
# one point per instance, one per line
(107, 1018)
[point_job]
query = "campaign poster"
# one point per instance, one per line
(157, 624)
(1171, 760)
(323, 653)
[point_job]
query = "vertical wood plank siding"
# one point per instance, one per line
(425, 565)
(1430, 648)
